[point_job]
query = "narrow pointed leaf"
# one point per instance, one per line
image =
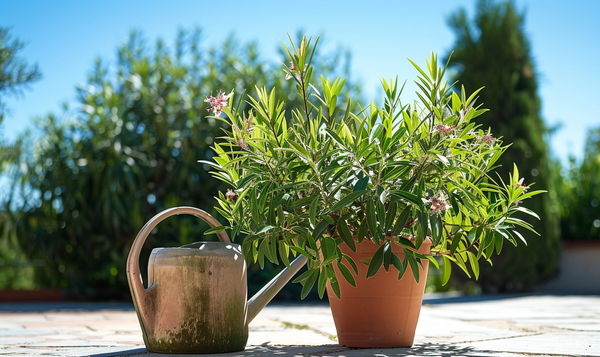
(376, 262)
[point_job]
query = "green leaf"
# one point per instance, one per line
(335, 137)
(474, 264)
(472, 236)
(531, 194)
(424, 227)
(515, 177)
(527, 211)
(312, 212)
(407, 195)
(280, 216)
(401, 267)
(520, 236)
(328, 218)
(351, 262)
(434, 262)
(261, 254)
(302, 202)
(271, 249)
(346, 273)
(362, 231)
(344, 232)
(284, 253)
(309, 283)
(265, 229)
(215, 230)
(387, 255)
(303, 276)
(376, 262)
(406, 242)
(319, 229)
(380, 217)
(446, 270)
(335, 286)
(303, 252)
(461, 264)
(489, 249)
(413, 263)
(499, 242)
(454, 202)
(372, 219)
(521, 223)
(401, 221)
(455, 241)
(455, 102)
(346, 201)
(390, 215)
(436, 228)
(322, 283)
(361, 184)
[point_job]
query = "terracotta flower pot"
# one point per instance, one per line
(381, 311)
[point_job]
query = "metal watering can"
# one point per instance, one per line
(196, 296)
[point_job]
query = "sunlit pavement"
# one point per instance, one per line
(540, 325)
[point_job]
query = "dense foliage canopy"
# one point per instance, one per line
(395, 175)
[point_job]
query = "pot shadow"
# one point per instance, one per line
(341, 351)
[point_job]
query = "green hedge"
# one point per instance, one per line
(130, 150)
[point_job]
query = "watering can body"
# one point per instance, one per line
(196, 296)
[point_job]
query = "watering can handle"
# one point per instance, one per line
(133, 265)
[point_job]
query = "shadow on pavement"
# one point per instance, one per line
(339, 351)
(428, 299)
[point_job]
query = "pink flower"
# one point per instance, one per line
(243, 145)
(249, 123)
(292, 68)
(217, 104)
(437, 205)
(444, 130)
(520, 184)
(230, 195)
(488, 139)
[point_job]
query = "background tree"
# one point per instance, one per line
(16, 75)
(579, 193)
(99, 173)
(492, 50)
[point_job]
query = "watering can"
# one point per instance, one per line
(196, 296)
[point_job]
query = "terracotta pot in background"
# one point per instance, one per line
(42, 295)
(381, 311)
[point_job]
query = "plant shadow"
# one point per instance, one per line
(340, 351)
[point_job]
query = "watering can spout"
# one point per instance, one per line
(268, 292)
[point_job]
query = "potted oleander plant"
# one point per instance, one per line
(369, 195)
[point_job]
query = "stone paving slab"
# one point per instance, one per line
(542, 325)
(557, 344)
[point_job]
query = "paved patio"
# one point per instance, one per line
(538, 325)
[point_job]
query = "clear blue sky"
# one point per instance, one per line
(64, 37)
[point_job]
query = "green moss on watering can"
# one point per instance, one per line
(196, 302)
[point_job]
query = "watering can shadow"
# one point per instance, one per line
(196, 296)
